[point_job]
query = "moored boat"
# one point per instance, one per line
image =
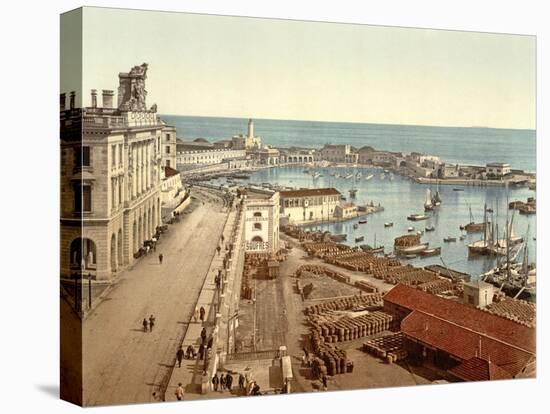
(436, 251)
(417, 217)
(449, 239)
(430, 228)
(359, 239)
(362, 221)
(390, 224)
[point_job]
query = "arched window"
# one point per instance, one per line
(257, 239)
(257, 214)
(83, 253)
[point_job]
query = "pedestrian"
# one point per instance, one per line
(196, 314)
(190, 351)
(210, 342)
(160, 258)
(228, 381)
(324, 379)
(179, 392)
(215, 381)
(222, 382)
(203, 336)
(201, 313)
(218, 249)
(241, 381)
(201, 352)
(151, 323)
(179, 356)
(223, 238)
(144, 325)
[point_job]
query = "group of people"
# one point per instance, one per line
(148, 325)
(225, 382)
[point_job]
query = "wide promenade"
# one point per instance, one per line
(122, 363)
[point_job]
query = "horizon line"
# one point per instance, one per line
(355, 122)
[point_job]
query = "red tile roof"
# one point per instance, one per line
(311, 192)
(479, 369)
(466, 316)
(464, 343)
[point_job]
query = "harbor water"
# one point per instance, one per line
(401, 197)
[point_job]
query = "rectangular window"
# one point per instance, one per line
(168, 149)
(82, 198)
(168, 163)
(113, 155)
(167, 137)
(120, 158)
(82, 157)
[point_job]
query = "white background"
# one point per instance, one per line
(29, 228)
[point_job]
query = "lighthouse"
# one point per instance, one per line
(250, 129)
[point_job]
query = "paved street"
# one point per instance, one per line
(123, 364)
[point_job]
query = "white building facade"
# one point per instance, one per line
(309, 205)
(261, 221)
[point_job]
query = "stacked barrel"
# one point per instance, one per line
(389, 347)
(339, 329)
(330, 359)
(437, 286)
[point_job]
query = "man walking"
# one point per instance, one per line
(201, 313)
(151, 323)
(203, 336)
(160, 258)
(228, 381)
(179, 356)
(324, 379)
(144, 323)
(222, 382)
(215, 381)
(201, 352)
(179, 392)
(241, 381)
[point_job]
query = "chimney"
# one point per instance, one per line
(72, 97)
(62, 99)
(108, 98)
(94, 98)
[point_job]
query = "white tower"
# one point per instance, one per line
(250, 128)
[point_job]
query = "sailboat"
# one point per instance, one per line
(428, 205)
(353, 190)
(369, 249)
(368, 177)
(436, 199)
(473, 227)
(512, 277)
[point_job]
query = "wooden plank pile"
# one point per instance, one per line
(366, 286)
(388, 347)
(373, 301)
(308, 270)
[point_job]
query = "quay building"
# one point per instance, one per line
(111, 162)
(309, 205)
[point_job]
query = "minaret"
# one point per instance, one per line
(250, 128)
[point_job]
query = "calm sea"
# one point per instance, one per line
(464, 145)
